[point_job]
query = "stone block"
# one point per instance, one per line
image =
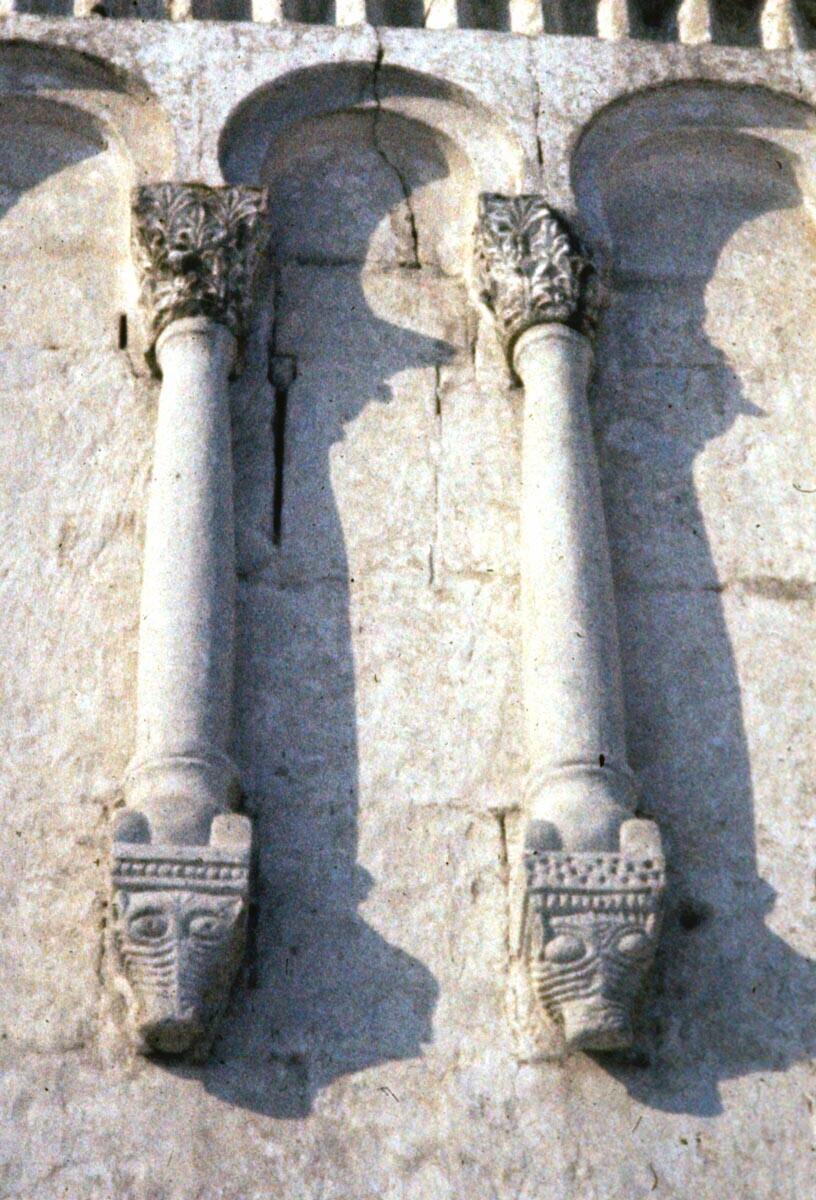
(479, 477)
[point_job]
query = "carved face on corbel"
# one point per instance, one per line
(179, 931)
(587, 969)
(178, 952)
(592, 930)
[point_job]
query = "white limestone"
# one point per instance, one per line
(572, 682)
(371, 1049)
(184, 695)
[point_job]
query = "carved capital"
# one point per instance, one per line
(532, 269)
(179, 930)
(592, 926)
(196, 249)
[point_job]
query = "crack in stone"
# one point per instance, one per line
(767, 587)
(414, 263)
(438, 392)
(434, 547)
(537, 103)
(504, 880)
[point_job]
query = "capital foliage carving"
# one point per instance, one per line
(196, 249)
(532, 268)
(592, 927)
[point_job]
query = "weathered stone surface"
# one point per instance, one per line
(377, 1048)
(479, 455)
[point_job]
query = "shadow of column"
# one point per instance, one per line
(731, 997)
(330, 996)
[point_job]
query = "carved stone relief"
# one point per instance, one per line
(532, 268)
(196, 250)
(595, 873)
(181, 857)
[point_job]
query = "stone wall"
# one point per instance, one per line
(380, 1043)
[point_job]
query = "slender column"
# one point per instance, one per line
(695, 22)
(349, 12)
(181, 855)
(615, 19)
(781, 27)
(440, 14)
(526, 16)
(594, 872)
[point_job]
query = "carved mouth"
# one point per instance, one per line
(171, 1035)
(596, 1026)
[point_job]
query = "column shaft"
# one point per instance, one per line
(181, 776)
(573, 697)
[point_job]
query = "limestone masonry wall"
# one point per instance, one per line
(381, 1042)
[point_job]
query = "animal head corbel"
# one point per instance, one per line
(179, 930)
(591, 932)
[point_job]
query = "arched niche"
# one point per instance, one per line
(264, 116)
(77, 133)
(700, 200)
(64, 223)
(343, 647)
(373, 180)
(127, 113)
(374, 188)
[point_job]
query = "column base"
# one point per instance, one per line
(181, 794)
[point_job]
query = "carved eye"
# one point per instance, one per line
(564, 949)
(149, 927)
(206, 926)
(633, 944)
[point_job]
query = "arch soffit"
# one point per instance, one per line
(275, 110)
(778, 122)
(92, 98)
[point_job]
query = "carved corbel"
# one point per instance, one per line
(595, 873)
(181, 855)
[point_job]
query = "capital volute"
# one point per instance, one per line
(196, 249)
(532, 269)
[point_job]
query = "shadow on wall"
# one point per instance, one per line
(40, 139)
(76, 133)
(712, 263)
(368, 208)
(51, 156)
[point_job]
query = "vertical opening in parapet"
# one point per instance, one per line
(658, 19)
(484, 14)
(736, 22)
(700, 199)
(406, 14)
(576, 17)
(223, 10)
(282, 372)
